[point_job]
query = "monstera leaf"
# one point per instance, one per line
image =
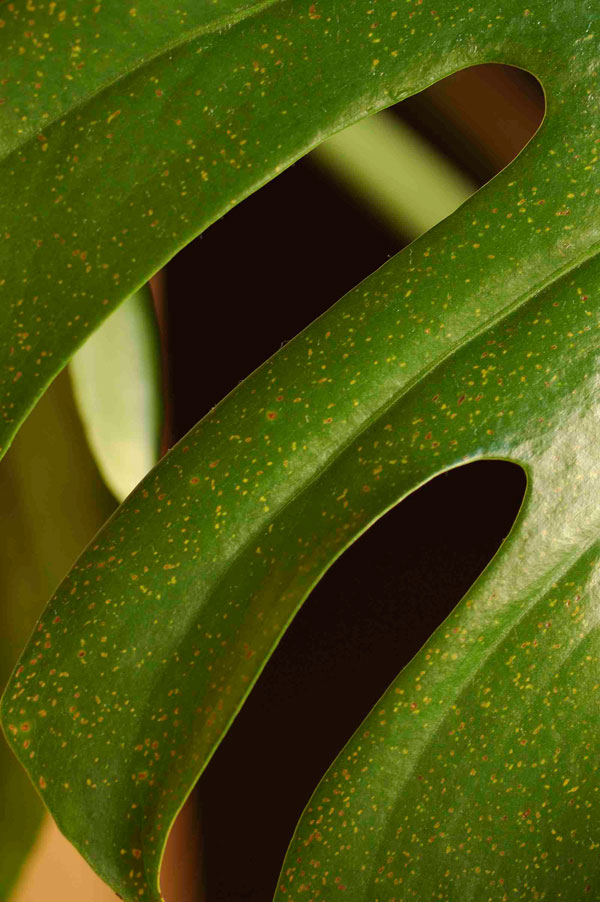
(127, 131)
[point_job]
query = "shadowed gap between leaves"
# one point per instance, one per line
(369, 615)
(278, 260)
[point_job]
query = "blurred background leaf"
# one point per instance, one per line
(117, 388)
(53, 501)
(390, 167)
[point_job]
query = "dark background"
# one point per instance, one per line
(382, 600)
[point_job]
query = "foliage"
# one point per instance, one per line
(475, 776)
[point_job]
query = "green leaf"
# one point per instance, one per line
(148, 123)
(76, 223)
(116, 384)
(480, 340)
